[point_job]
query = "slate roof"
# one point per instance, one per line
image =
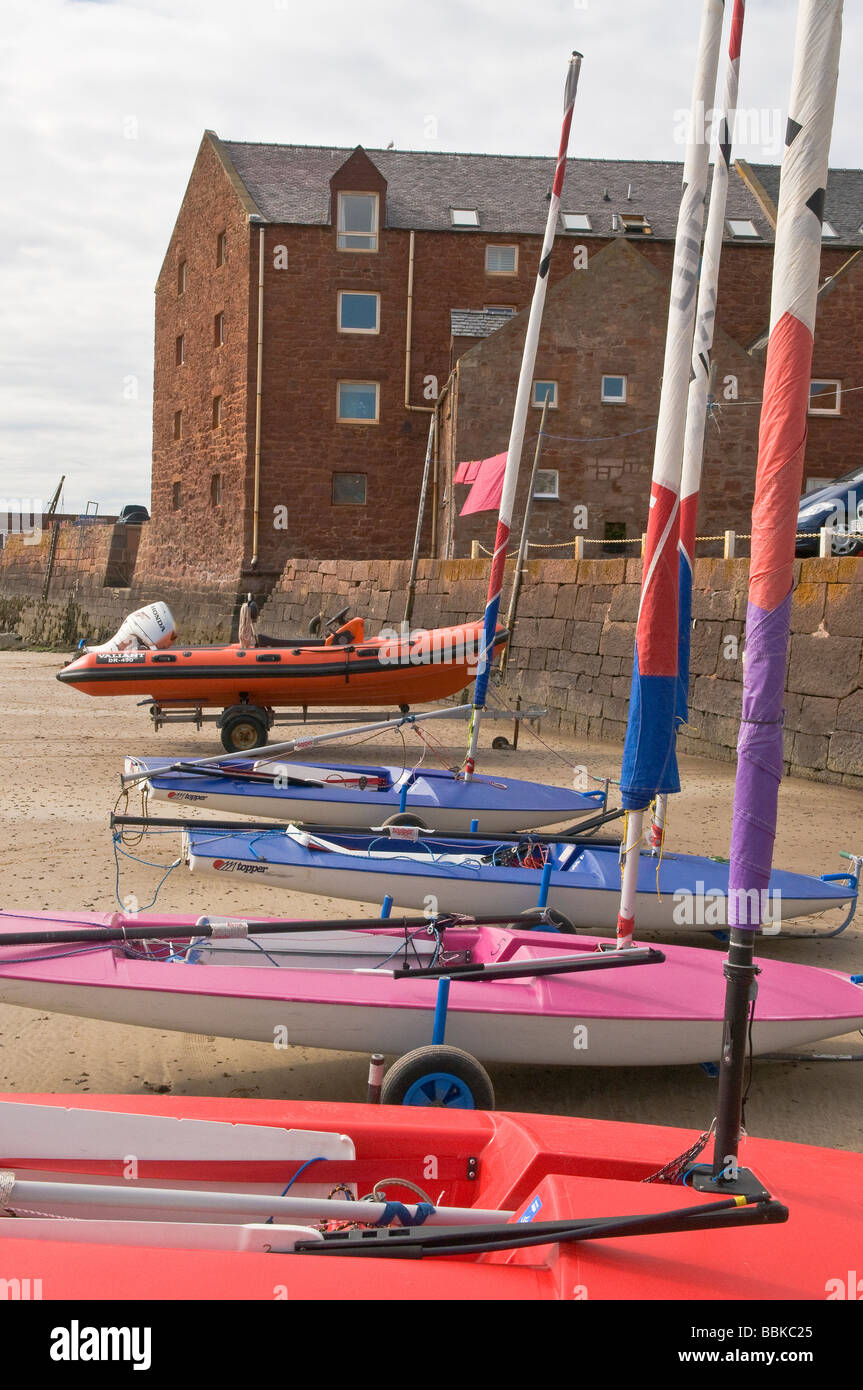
(290, 184)
(843, 206)
(475, 323)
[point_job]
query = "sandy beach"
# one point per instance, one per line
(61, 758)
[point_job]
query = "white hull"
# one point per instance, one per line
(501, 1038)
(361, 815)
(589, 909)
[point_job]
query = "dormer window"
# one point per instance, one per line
(464, 217)
(742, 228)
(635, 224)
(358, 222)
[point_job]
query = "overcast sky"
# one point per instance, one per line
(104, 102)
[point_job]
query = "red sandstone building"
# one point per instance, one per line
(316, 305)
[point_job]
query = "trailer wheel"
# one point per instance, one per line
(242, 730)
(501, 742)
(407, 818)
(444, 1077)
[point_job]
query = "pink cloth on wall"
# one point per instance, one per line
(487, 487)
(466, 472)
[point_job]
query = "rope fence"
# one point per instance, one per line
(728, 539)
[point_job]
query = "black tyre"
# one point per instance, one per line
(439, 1076)
(241, 732)
(407, 818)
(501, 742)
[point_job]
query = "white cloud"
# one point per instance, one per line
(103, 106)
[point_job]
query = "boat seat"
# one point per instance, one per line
(265, 641)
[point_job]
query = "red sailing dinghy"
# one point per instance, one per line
(526, 1206)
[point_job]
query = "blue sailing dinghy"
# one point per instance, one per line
(347, 794)
(580, 878)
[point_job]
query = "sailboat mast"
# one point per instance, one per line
(649, 759)
(701, 374)
(519, 421)
(779, 481)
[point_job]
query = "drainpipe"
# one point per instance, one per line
(453, 440)
(259, 377)
(410, 316)
(436, 464)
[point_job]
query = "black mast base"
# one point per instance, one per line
(699, 1176)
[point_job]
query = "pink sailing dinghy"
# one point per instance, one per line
(533, 996)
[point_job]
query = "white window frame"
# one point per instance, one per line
(548, 496)
(816, 484)
(732, 223)
(828, 231)
(825, 381)
(366, 294)
(605, 399)
(544, 381)
(373, 235)
(501, 246)
(357, 419)
(582, 219)
(457, 216)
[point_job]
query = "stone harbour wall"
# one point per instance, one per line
(99, 574)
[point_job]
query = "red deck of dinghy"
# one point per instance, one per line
(541, 1167)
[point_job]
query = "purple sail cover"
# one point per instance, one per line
(759, 762)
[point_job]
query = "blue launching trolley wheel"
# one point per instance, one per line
(440, 1088)
(440, 1076)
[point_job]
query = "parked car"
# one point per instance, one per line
(133, 514)
(838, 505)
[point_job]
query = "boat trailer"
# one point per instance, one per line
(247, 726)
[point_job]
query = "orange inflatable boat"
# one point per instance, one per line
(344, 668)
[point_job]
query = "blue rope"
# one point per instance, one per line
(118, 850)
(302, 1167)
(57, 955)
(319, 1159)
(254, 840)
(397, 1210)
